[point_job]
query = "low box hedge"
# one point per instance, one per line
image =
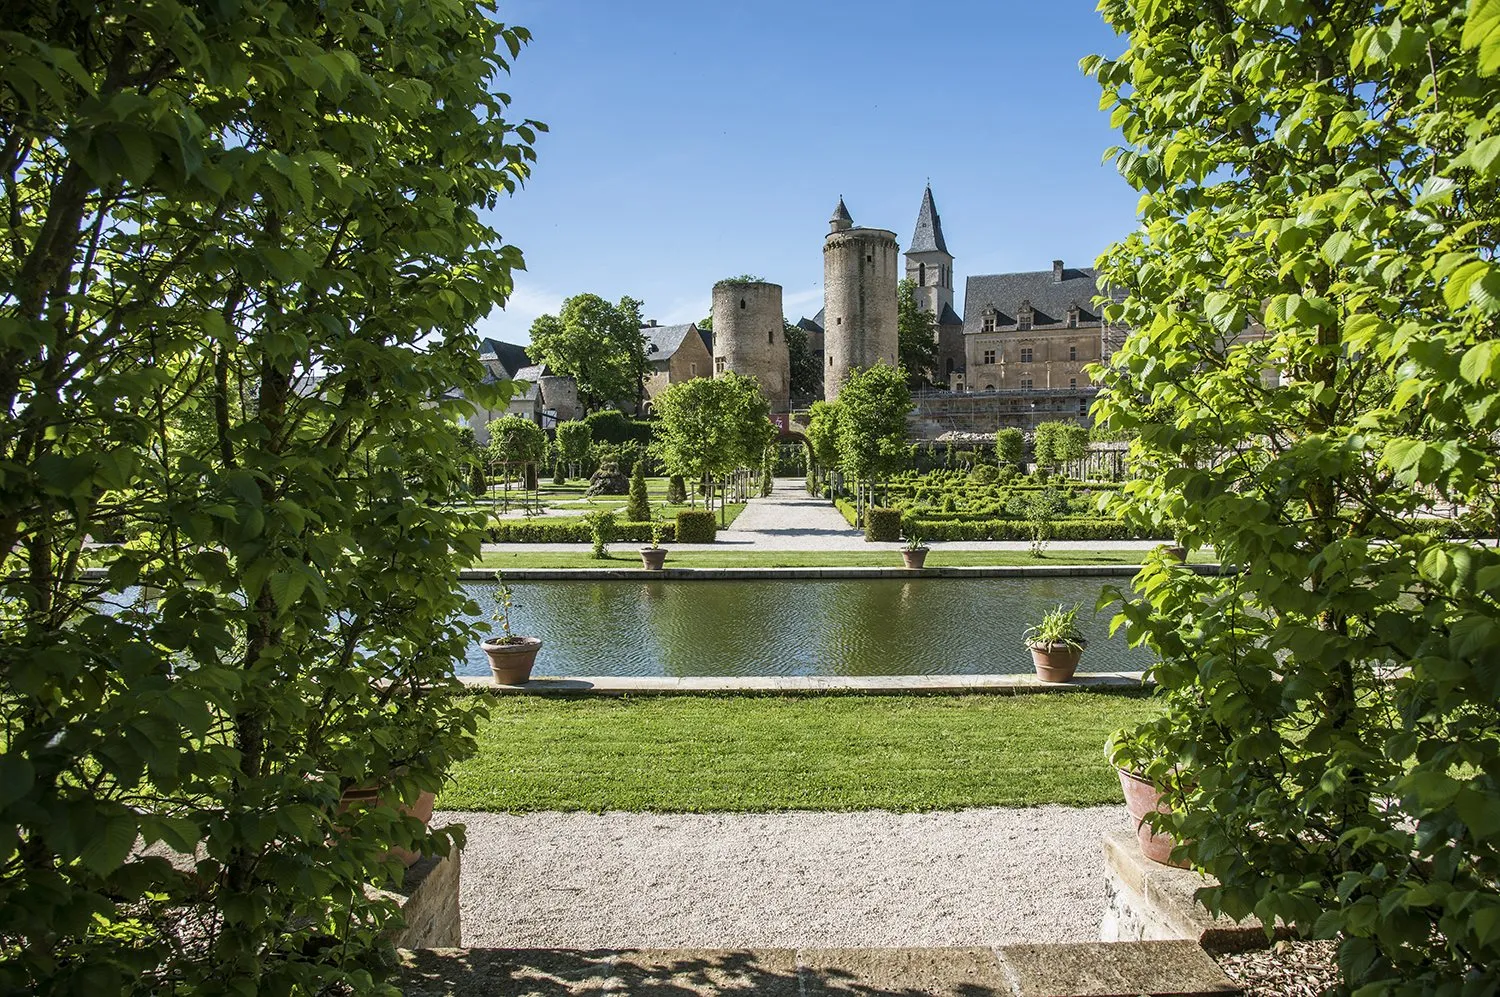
(521, 531)
(696, 526)
(882, 525)
(1020, 529)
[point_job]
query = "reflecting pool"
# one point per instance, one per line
(922, 626)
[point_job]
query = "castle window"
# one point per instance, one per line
(771, 336)
(830, 361)
(989, 323)
(1072, 353)
(1026, 354)
(869, 259)
(1026, 383)
(921, 274)
(692, 370)
(718, 365)
(742, 302)
(1073, 317)
(1083, 406)
(1023, 322)
(1072, 382)
(989, 356)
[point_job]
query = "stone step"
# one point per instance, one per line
(1126, 969)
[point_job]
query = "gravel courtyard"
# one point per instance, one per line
(872, 878)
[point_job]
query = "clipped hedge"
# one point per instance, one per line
(695, 526)
(1014, 529)
(523, 531)
(883, 525)
(851, 514)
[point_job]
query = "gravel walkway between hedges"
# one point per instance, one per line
(873, 878)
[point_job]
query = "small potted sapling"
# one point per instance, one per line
(1056, 643)
(511, 656)
(653, 557)
(915, 552)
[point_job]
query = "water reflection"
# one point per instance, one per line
(922, 626)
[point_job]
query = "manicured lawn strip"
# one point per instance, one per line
(623, 556)
(748, 753)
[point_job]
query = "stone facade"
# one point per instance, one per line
(859, 299)
(749, 337)
(674, 353)
(1036, 330)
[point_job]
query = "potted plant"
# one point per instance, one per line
(358, 797)
(915, 553)
(1056, 644)
(1144, 795)
(653, 557)
(511, 656)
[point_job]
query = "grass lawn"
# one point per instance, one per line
(698, 754)
(571, 501)
(623, 556)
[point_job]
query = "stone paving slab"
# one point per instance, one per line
(802, 684)
(1124, 969)
(1114, 969)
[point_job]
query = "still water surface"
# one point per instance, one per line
(924, 626)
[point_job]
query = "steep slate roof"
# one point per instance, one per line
(841, 213)
(707, 335)
(1049, 298)
(662, 341)
(508, 355)
(928, 237)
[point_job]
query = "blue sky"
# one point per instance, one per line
(695, 141)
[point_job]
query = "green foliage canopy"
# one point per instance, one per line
(243, 252)
(596, 343)
(573, 440)
(1313, 367)
(916, 333)
(873, 404)
(515, 439)
(1010, 444)
(711, 426)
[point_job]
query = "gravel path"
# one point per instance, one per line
(873, 878)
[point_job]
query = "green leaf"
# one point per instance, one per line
(17, 776)
(109, 843)
(1481, 363)
(1482, 32)
(1483, 157)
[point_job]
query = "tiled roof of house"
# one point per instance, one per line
(509, 356)
(1049, 298)
(949, 316)
(662, 341)
(928, 237)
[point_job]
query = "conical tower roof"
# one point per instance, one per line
(841, 214)
(928, 237)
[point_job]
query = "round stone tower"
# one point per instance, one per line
(749, 337)
(859, 299)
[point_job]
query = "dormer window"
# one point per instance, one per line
(1072, 316)
(989, 320)
(1024, 317)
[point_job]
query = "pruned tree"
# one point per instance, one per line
(574, 439)
(874, 404)
(243, 252)
(1311, 377)
(709, 427)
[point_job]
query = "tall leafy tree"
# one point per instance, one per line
(240, 261)
(916, 335)
(873, 406)
(574, 438)
(709, 427)
(599, 345)
(1312, 375)
(806, 374)
(1010, 444)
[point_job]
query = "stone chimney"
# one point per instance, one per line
(1057, 271)
(651, 322)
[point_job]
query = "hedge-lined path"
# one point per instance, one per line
(790, 519)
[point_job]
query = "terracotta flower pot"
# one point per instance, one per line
(652, 558)
(1142, 797)
(369, 796)
(915, 558)
(511, 664)
(1175, 551)
(1055, 662)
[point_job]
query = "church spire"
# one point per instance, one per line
(928, 236)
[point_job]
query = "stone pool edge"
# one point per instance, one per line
(807, 685)
(764, 574)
